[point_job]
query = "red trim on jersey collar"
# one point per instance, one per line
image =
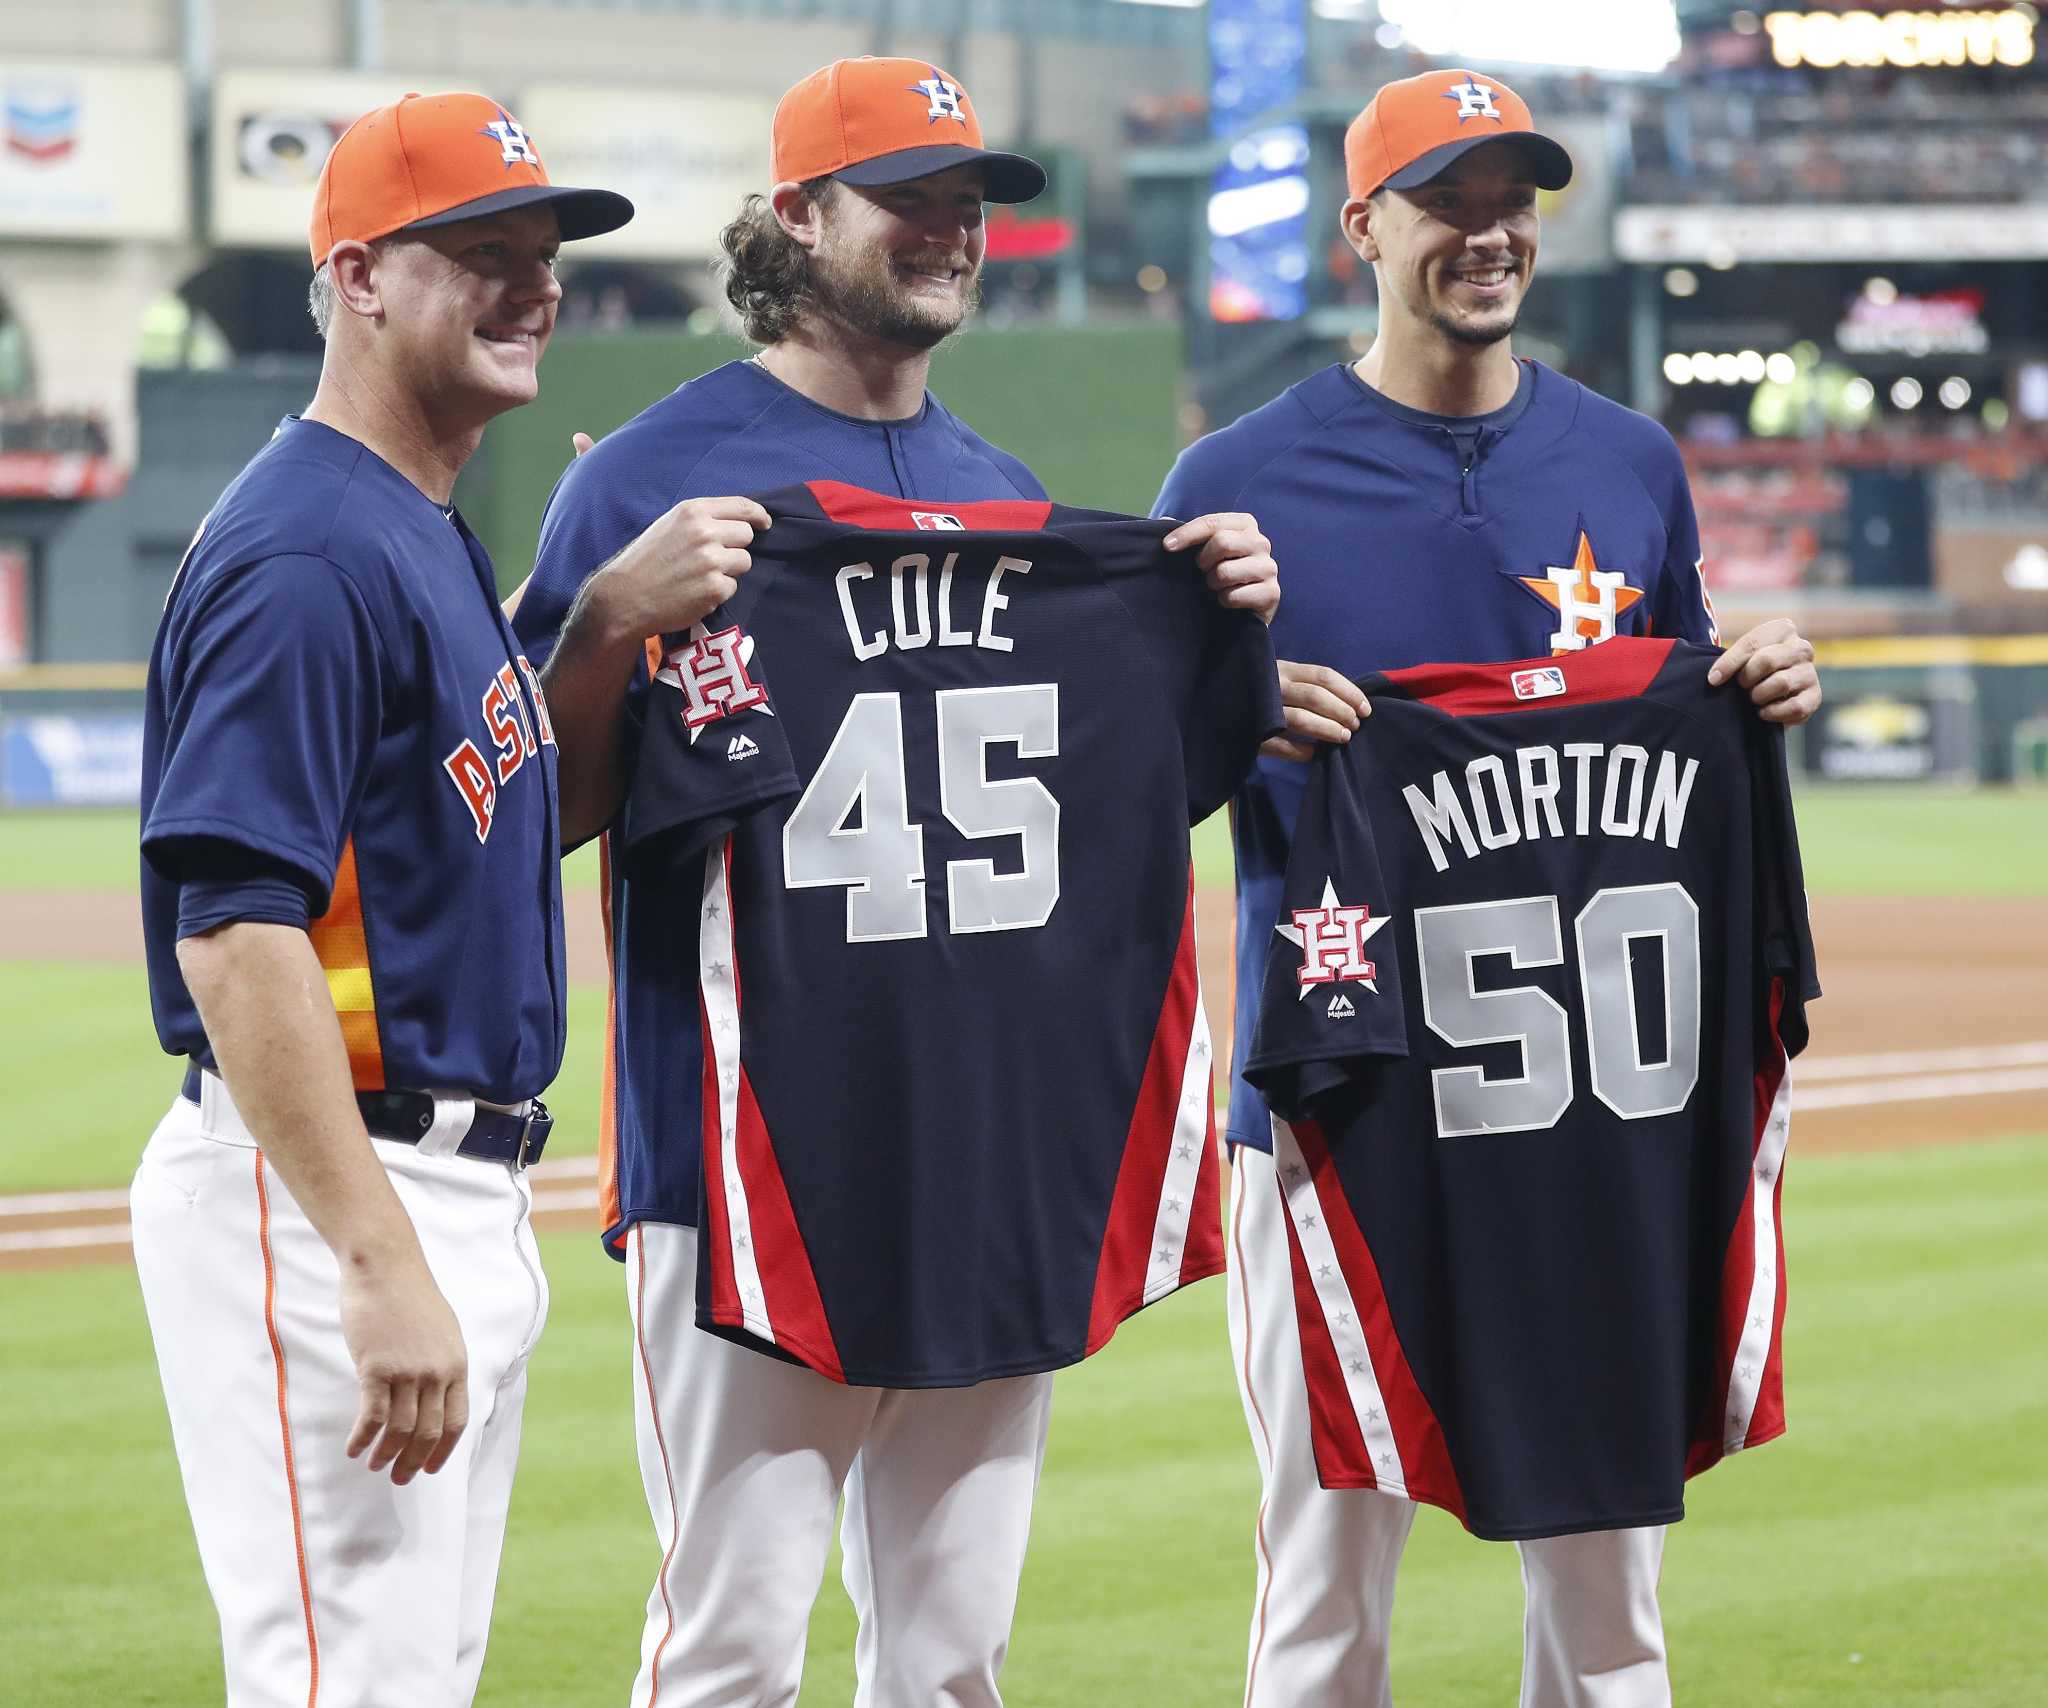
(861, 508)
(1617, 669)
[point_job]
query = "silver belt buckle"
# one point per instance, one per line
(534, 1108)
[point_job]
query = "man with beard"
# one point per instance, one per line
(862, 258)
(1437, 501)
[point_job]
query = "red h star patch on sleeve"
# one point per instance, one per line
(711, 671)
(1332, 941)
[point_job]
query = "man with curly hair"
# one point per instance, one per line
(861, 259)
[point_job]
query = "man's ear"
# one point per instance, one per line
(798, 211)
(1360, 214)
(356, 270)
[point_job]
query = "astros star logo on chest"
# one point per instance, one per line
(1588, 600)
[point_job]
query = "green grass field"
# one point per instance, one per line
(1889, 1551)
(1859, 841)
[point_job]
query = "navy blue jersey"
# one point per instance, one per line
(1541, 957)
(735, 430)
(927, 779)
(1403, 538)
(341, 732)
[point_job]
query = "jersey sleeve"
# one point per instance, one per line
(1331, 1002)
(1788, 974)
(1217, 671)
(712, 749)
(1683, 611)
(273, 698)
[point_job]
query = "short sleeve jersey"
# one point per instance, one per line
(337, 707)
(1541, 957)
(1405, 538)
(929, 778)
(734, 430)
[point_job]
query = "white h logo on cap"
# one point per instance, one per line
(945, 99)
(1475, 100)
(513, 142)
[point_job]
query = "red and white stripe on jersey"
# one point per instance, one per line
(1370, 1424)
(1619, 669)
(1165, 1224)
(761, 1275)
(861, 508)
(1749, 1401)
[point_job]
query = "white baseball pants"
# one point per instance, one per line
(744, 1457)
(332, 1585)
(1593, 1636)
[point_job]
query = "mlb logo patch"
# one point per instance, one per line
(1537, 684)
(937, 521)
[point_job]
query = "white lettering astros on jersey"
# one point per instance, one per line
(911, 622)
(1631, 800)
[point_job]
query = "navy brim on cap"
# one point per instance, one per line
(1007, 177)
(579, 213)
(1553, 165)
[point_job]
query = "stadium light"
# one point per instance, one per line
(1906, 393)
(1751, 365)
(1955, 392)
(1681, 281)
(1678, 368)
(1780, 369)
(1600, 35)
(1858, 395)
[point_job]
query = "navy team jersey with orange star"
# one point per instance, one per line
(1541, 958)
(1405, 538)
(930, 773)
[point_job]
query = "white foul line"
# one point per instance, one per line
(1900, 1077)
(1918, 1061)
(1923, 1089)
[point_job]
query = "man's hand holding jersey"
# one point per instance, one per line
(1236, 559)
(1774, 661)
(686, 564)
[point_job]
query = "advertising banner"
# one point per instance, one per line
(93, 151)
(684, 158)
(50, 761)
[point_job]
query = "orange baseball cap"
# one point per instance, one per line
(885, 121)
(430, 160)
(1411, 130)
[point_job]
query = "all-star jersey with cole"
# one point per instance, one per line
(929, 776)
(737, 429)
(342, 735)
(1541, 959)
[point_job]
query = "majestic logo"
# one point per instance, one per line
(1475, 101)
(1588, 600)
(711, 670)
(1537, 684)
(937, 522)
(1341, 1008)
(741, 747)
(42, 119)
(514, 145)
(1332, 941)
(945, 99)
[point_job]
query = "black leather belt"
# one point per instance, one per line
(408, 1116)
